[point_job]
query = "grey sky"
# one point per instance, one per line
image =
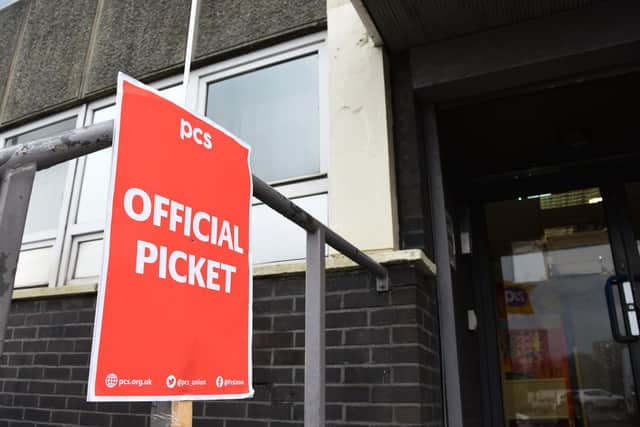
(4, 3)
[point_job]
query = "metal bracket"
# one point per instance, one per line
(382, 283)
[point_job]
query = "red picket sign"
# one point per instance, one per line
(173, 315)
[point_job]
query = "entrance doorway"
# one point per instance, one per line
(568, 350)
(545, 185)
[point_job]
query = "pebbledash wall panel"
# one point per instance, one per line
(54, 55)
(383, 359)
(49, 57)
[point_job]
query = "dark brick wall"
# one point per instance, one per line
(414, 212)
(44, 368)
(383, 364)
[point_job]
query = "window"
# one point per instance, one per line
(48, 205)
(273, 99)
(6, 3)
(277, 109)
(83, 240)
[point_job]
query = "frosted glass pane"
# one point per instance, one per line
(276, 238)
(43, 132)
(174, 93)
(92, 206)
(46, 199)
(45, 203)
(103, 114)
(89, 259)
(276, 111)
(33, 267)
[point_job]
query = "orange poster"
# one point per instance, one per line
(173, 315)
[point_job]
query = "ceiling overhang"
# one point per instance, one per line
(404, 24)
(487, 46)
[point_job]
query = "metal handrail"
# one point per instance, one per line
(50, 151)
(19, 163)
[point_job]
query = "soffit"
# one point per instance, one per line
(407, 23)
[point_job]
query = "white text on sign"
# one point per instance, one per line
(178, 265)
(199, 136)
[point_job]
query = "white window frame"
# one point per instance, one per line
(313, 44)
(65, 242)
(76, 234)
(51, 239)
(296, 187)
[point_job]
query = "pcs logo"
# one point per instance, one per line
(518, 299)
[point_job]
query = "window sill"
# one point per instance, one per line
(341, 262)
(54, 292)
(333, 262)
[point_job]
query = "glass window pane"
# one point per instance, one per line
(276, 111)
(174, 93)
(95, 181)
(45, 203)
(92, 205)
(104, 114)
(269, 226)
(550, 258)
(89, 259)
(43, 132)
(33, 267)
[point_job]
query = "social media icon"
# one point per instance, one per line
(171, 381)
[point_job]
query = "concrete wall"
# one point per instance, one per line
(56, 54)
(383, 362)
(362, 197)
(67, 52)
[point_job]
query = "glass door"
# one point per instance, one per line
(551, 256)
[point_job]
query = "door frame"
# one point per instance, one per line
(610, 175)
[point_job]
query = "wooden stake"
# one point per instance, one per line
(181, 413)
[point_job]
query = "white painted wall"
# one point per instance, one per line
(362, 203)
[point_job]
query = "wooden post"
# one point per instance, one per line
(181, 413)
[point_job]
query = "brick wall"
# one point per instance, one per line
(382, 359)
(414, 212)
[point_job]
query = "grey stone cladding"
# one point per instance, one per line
(58, 54)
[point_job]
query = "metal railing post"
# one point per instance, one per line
(285, 207)
(314, 348)
(15, 191)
